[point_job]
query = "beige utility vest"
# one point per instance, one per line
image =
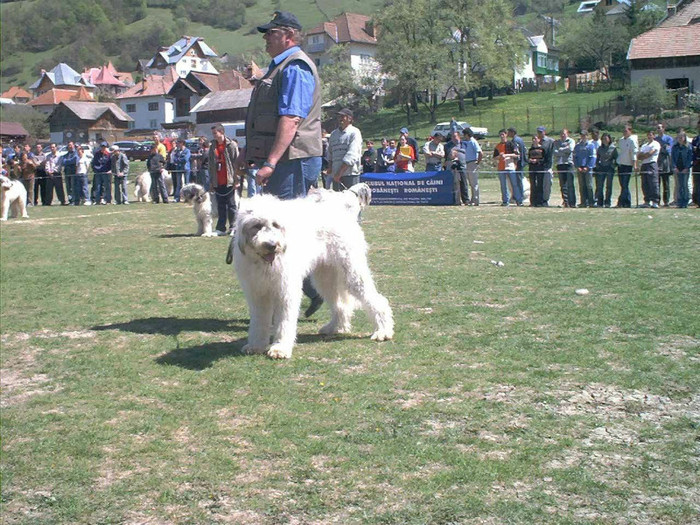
(263, 117)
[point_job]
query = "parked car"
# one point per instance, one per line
(141, 152)
(443, 129)
(127, 145)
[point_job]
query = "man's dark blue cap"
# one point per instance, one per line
(281, 19)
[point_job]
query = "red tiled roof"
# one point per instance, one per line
(55, 96)
(152, 85)
(665, 42)
(347, 27)
(16, 92)
(684, 16)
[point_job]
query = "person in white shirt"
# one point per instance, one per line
(648, 155)
(344, 153)
(434, 153)
(627, 148)
(81, 195)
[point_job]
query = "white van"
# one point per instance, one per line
(234, 130)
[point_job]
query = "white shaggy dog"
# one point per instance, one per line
(203, 210)
(143, 183)
(354, 199)
(13, 196)
(277, 244)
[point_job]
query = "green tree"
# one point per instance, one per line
(598, 38)
(412, 52)
(35, 122)
(649, 97)
(486, 48)
(337, 78)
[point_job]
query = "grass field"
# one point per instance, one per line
(504, 398)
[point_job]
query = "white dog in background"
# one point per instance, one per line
(278, 243)
(204, 211)
(355, 199)
(13, 197)
(143, 183)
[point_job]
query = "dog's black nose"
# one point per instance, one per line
(269, 246)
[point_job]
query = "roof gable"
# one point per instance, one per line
(95, 110)
(348, 27)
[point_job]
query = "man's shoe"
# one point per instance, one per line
(316, 303)
(654, 205)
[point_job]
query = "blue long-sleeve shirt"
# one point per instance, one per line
(584, 155)
(70, 162)
(182, 159)
(101, 162)
(681, 156)
(666, 142)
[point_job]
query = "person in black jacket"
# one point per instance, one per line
(154, 164)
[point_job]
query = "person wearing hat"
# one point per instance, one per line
(120, 171)
(101, 182)
(344, 153)
(283, 126)
(547, 145)
(411, 142)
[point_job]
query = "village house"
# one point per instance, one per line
(541, 66)
(108, 80)
(17, 95)
(84, 121)
(48, 101)
(670, 51)
(148, 103)
(356, 31)
(62, 77)
(190, 53)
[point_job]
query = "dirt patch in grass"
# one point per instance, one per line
(677, 348)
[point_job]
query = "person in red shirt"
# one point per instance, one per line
(405, 155)
(222, 157)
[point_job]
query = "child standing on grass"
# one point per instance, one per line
(154, 164)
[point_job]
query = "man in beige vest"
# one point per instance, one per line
(283, 126)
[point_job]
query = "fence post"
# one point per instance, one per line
(553, 125)
(527, 113)
(503, 111)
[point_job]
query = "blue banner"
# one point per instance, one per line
(432, 188)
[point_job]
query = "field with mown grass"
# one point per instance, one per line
(504, 398)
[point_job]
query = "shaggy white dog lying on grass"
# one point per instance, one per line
(13, 196)
(278, 243)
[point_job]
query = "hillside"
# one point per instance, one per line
(26, 65)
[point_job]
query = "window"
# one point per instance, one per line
(131, 125)
(153, 106)
(131, 108)
(153, 124)
(182, 106)
(316, 39)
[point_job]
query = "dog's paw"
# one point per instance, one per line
(252, 350)
(382, 335)
(332, 328)
(3, 219)
(208, 234)
(279, 351)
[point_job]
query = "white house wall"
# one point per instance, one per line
(143, 116)
(691, 73)
(526, 73)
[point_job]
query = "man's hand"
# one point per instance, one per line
(263, 174)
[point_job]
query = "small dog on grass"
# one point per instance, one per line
(204, 211)
(13, 197)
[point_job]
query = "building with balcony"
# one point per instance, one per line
(542, 65)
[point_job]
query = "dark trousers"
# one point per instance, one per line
(585, 188)
(566, 182)
(536, 187)
(603, 182)
(55, 182)
(158, 187)
(665, 180)
(624, 173)
(226, 205)
(70, 179)
(650, 182)
(683, 196)
(463, 193)
(696, 186)
(40, 187)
